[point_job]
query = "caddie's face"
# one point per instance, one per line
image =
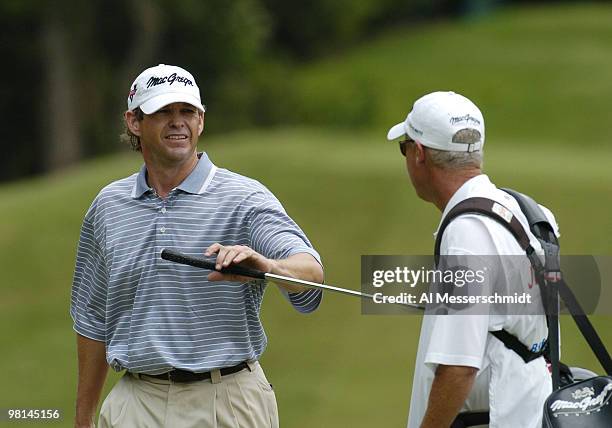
(415, 167)
(170, 135)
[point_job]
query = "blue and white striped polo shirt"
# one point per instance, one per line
(155, 315)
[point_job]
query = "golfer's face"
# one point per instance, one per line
(171, 133)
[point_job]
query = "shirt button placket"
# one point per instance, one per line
(163, 210)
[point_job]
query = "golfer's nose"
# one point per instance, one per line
(176, 120)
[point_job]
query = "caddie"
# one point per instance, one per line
(189, 341)
(460, 366)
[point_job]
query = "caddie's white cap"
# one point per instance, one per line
(161, 85)
(435, 119)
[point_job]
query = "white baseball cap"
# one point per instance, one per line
(161, 85)
(436, 118)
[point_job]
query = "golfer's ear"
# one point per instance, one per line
(201, 124)
(132, 122)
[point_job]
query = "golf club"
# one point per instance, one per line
(177, 257)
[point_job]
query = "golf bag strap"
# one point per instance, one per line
(586, 327)
(491, 209)
(542, 229)
(547, 276)
(511, 342)
(496, 211)
(503, 216)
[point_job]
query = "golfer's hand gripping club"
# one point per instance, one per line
(184, 259)
(177, 257)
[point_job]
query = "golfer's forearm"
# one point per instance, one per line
(301, 266)
(449, 390)
(92, 374)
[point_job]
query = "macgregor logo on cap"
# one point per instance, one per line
(467, 118)
(154, 80)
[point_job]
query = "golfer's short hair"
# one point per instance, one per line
(128, 137)
(458, 160)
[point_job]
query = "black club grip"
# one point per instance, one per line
(184, 259)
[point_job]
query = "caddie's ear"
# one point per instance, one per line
(419, 152)
(132, 122)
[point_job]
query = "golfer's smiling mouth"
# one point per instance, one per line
(177, 137)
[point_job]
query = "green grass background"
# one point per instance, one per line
(542, 78)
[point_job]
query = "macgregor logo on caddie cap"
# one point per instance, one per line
(154, 80)
(466, 118)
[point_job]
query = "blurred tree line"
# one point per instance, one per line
(69, 64)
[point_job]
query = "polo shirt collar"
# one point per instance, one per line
(462, 193)
(196, 180)
(195, 183)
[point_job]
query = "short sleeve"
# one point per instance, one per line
(458, 340)
(89, 286)
(461, 339)
(275, 235)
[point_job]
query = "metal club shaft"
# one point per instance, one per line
(177, 257)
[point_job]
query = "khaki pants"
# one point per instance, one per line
(243, 399)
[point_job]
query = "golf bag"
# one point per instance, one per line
(579, 398)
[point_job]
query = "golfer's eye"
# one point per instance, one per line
(188, 111)
(163, 111)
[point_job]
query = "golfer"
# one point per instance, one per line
(460, 366)
(189, 341)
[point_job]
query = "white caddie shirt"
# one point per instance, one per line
(513, 391)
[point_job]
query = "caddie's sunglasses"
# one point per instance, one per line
(403, 144)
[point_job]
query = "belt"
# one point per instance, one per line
(184, 376)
